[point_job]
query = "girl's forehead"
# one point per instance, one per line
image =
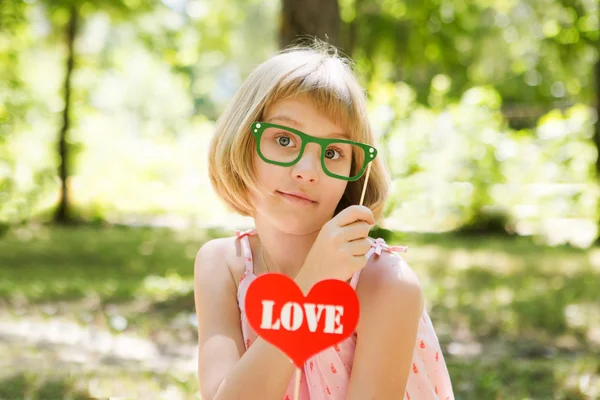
(298, 102)
(298, 112)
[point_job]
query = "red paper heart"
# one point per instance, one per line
(301, 326)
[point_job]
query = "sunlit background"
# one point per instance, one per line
(487, 114)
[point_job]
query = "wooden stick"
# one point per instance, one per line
(362, 196)
(297, 390)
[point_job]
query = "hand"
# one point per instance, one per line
(340, 248)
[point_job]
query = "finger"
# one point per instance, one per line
(354, 213)
(360, 261)
(359, 247)
(356, 230)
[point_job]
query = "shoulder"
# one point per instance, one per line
(388, 283)
(217, 259)
(211, 258)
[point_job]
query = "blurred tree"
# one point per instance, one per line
(207, 44)
(66, 17)
(13, 97)
(62, 213)
(596, 43)
(299, 19)
(537, 55)
(121, 63)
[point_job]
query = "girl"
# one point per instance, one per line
(281, 154)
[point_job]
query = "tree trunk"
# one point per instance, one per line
(62, 214)
(597, 123)
(597, 126)
(351, 32)
(320, 18)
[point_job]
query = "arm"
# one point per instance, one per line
(225, 369)
(391, 305)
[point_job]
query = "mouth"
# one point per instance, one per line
(296, 198)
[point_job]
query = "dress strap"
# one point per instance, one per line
(380, 245)
(354, 279)
(377, 247)
(243, 236)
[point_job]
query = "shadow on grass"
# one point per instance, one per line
(526, 302)
(493, 242)
(116, 384)
(29, 386)
(71, 263)
(526, 379)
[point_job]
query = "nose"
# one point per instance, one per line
(309, 165)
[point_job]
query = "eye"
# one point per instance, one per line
(330, 153)
(283, 140)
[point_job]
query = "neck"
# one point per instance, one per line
(283, 252)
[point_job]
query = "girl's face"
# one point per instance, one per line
(306, 178)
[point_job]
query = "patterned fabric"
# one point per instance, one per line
(327, 374)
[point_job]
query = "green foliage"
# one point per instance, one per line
(150, 79)
(461, 166)
(14, 99)
(533, 53)
(121, 82)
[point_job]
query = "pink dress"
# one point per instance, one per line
(327, 374)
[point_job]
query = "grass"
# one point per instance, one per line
(516, 320)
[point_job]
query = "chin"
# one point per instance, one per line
(299, 224)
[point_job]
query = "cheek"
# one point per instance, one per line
(336, 190)
(269, 176)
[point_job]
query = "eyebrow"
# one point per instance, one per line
(297, 124)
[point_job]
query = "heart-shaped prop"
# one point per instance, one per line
(301, 326)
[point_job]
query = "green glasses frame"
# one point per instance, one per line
(370, 152)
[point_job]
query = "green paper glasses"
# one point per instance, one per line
(284, 146)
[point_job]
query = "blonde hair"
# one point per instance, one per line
(327, 79)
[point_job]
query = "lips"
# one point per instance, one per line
(297, 195)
